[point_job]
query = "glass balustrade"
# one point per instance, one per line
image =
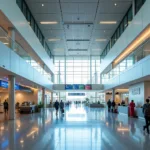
(18, 49)
(138, 54)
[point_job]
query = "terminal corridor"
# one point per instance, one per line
(79, 128)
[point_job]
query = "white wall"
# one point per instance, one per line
(139, 97)
(140, 21)
(14, 63)
(14, 14)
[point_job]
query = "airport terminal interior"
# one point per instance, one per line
(74, 74)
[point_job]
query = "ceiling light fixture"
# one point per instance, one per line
(53, 40)
(49, 22)
(42, 5)
(115, 4)
(108, 22)
(101, 40)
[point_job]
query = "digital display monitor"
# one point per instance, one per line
(76, 94)
(78, 87)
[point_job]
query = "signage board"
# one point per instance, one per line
(76, 94)
(78, 87)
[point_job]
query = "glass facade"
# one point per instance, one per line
(122, 26)
(77, 70)
(129, 61)
(25, 10)
(138, 4)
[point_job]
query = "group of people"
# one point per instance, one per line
(146, 111)
(112, 107)
(58, 105)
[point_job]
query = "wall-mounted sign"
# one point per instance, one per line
(4, 84)
(76, 94)
(136, 91)
(78, 87)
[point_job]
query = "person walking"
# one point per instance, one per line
(132, 106)
(56, 105)
(113, 106)
(109, 105)
(146, 112)
(6, 107)
(62, 106)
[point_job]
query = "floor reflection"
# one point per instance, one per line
(79, 128)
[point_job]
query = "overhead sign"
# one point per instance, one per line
(76, 94)
(4, 84)
(78, 87)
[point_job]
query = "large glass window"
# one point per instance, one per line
(25, 10)
(122, 26)
(138, 4)
(77, 70)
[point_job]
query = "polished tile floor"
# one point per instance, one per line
(80, 128)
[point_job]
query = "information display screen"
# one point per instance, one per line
(88, 87)
(76, 94)
(78, 87)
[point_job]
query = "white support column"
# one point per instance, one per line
(11, 100)
(113, 94)
(43, 96)
(90, 69)
(65, 71)
(51, 99)
(11, 33)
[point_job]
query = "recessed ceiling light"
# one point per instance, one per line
(101, 40)
(108, 22)
(42, 4)
(115, 4)
(49, 22)
(53, 40)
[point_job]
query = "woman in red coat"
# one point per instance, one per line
(132, 105)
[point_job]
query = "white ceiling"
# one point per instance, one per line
(78, 23)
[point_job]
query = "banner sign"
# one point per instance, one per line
(78, 87)
(76, 94)
(4, 84)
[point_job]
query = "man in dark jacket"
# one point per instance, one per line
(62, 106)
(56, 105)
(109, 105)
(113, 104)
(146, 111)
(6, 107)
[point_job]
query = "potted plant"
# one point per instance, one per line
(40, 106)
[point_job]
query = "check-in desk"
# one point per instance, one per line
(139, 112)
(123, 109)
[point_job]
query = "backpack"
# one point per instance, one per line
(147, 110)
